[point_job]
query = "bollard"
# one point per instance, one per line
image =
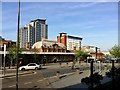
(60, 64)
(105, 67)
(58, 74)
(67, 63)
(77, 71)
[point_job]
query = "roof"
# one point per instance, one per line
(47, 43)
(38, 20)
(69, 36)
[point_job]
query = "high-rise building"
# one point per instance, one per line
(33, 32)
(71, 42)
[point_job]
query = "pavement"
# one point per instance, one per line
(14, 74)
(69, 80)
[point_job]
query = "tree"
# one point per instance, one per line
(115, 83)
(35, 56)
(81, 55)
(116, 71)
(107, 56)
(115, 51)
(12, 52)
(96, 80)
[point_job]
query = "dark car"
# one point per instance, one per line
(89, 60)
(107, 61)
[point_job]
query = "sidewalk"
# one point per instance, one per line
(68, 81)
(71, 81)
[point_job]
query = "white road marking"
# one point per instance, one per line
(12, 86)
(40, 80)
(28, 74)
(27, 82)
(21, 75)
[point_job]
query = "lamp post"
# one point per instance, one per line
(4, 57)
(96, 53)
(44, 57)
(113, 74)
(17, 45)
(91, 75)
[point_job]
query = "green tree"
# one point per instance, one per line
(115, 51)
(81, 55)
(12, 52)
(35, 54)
(107, 56)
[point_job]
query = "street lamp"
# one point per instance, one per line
(96, 53)
(91, 74)
(44, 57)
(4, 57)
(17, 44)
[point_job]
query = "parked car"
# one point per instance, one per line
(89, 60)
(30, 66)
(107, 61)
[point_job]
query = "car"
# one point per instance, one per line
(107, 61)
(30, 66)
(89, 60)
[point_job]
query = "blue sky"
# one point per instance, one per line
(95, 22)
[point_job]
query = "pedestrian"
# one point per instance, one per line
(20, 63)
(9, 64)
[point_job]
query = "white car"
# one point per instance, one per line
(30, 66)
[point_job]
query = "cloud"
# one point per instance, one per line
(85, 5)
(61, 0)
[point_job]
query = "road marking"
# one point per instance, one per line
(20, 75)
(12, 86)
(40, 80)
(28, 74)
(27, 82)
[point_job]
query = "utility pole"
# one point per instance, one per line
(96, 52)
(17, 44)
(91, 74)
(113, 74)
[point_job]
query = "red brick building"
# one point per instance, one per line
(8, 43)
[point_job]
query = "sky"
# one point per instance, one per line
(95, 22)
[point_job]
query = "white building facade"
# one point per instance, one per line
(71, 42)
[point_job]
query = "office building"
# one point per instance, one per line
(71, 42)
(33, 32)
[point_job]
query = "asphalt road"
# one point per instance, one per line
(25, 81)
(39, 79)
(35, 80)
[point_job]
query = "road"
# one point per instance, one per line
(39, 78)
(36, 80)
